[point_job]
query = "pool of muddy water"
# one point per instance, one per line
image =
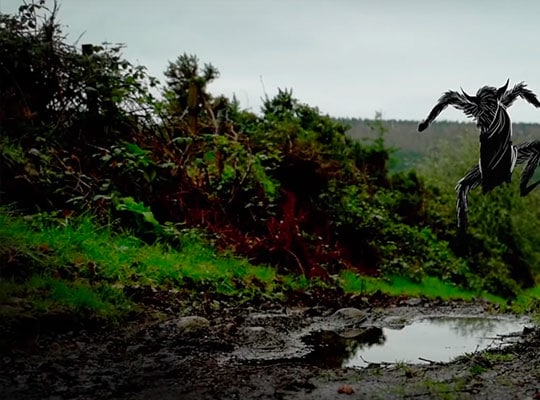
(426, 340)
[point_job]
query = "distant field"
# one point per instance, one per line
(411, 146)
(405, 159)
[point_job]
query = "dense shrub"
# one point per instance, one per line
(501, 241)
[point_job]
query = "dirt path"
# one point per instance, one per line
(261, 354)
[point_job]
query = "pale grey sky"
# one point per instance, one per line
(349, 58)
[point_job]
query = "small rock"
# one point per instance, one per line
(352, 333)
(134, 349)
(395, 322)
(358, 298)
(192, 325)
(414, 301)
(345, 389)
(350, 315)
(262, 338)
(229, 328)
(369, 334)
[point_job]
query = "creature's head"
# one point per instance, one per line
(487, 96)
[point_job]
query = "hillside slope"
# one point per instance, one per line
(403, 134)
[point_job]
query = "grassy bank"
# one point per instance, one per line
(51, 264)
(74, 264)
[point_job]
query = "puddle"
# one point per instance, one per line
(430, 339)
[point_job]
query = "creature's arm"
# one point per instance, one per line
(450, 98)
(530, 153)
(519, 90)
(463, 187)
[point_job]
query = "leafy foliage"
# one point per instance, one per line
(81, 130)
(501, 241)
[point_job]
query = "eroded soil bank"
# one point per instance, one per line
(265, 352)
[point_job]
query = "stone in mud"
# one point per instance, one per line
(362, 334)
(228, 328)
(395, 322)
(345, 389)
(350, 315)
(192, 325)
(413, 301)
(261, 337)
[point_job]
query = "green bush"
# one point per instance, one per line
(501, 240)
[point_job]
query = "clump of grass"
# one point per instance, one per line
(528, 300)
(73, 263)
(428, 287)
(495, 357)
(444, 389)
(79, 296)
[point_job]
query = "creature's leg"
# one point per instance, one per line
(529, 153)
(471, 180)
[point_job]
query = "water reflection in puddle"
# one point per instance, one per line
(434, 339)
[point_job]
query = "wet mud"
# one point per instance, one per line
(404, 349)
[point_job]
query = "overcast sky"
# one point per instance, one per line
(349, 58)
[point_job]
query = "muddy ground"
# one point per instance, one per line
(264, 352)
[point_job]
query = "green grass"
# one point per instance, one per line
(75, 264)
(397, 286)
(443, 389)
(527, 301)
(49, 263)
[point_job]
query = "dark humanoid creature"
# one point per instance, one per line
(498, 156)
